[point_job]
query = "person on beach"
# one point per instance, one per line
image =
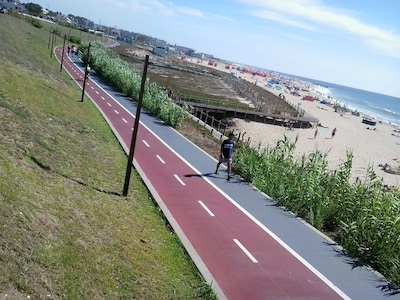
(226, 154)
(315, 133)
(333, 133)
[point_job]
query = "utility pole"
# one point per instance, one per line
(50, 32)
(53, 40)
(135, 130)
(62, 56)
(86, 73)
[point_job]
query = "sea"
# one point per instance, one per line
(383, 107)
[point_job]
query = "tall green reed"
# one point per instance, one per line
(361, 216)
(126, 80)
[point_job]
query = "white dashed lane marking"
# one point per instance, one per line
(252, 258)
(180, 181)
(160, 159)
(147, 145)
(206, 208)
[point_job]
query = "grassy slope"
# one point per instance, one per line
(65, 233)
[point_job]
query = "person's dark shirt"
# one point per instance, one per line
(227, 148)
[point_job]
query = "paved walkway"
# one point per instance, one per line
(245, 246)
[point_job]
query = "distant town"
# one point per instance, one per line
(160, 47)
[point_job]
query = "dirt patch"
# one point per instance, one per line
(183, 77)
(190, 79)
(179, 75)
(201, 137)
(12, 293)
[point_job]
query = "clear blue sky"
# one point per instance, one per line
(349, 42)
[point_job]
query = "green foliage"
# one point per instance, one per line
(34, 9)
(363, 217)
(373, 234)
(36, 23)
(125, 79)
(75, 40)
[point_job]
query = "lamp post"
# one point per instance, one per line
(62, 56)
(50, 32)
(135, 130)
(86, 73)
(53, 40)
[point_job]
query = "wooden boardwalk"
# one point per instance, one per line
(222, 112)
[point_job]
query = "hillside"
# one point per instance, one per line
(66, 232)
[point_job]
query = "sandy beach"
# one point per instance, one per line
(370, 145)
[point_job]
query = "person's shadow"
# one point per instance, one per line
(233, 178)
(200, 175)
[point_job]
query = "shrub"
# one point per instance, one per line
(35, 22)
(125, 79)
(75, 40)
(363, 217)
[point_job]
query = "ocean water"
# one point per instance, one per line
(383, 107)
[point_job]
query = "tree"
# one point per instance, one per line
(34, 9)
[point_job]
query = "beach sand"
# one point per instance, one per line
(379, 144)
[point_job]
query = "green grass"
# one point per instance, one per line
(66, 233)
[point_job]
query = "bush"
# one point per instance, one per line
(75, 40)
(36, 23)
(125, 79)
(363, 217)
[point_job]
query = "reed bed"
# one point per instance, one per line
(127, 80)
(362, 217)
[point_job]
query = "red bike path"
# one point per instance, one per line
(237, 256)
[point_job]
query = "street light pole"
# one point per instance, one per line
(50, 32)
(53, 40)
(135, 130)
(86, 73)
(62, 56)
